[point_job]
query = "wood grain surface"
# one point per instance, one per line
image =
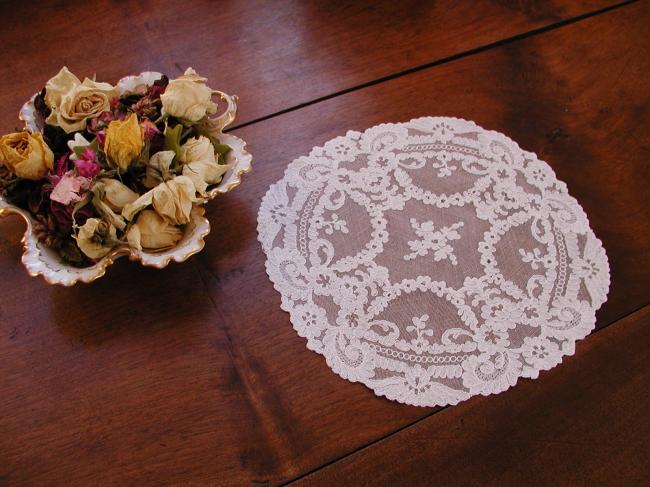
(274, 54)
(194, 374)
(585, 423)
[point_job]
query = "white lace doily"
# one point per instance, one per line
(432, 260)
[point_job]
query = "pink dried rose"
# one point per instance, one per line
(101, 137)
(60, 167)
(70, 189)
(87, 164)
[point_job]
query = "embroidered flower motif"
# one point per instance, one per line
(490, 340)
(385, 161)
(331, 225)
(278, 213)
(419, 327)
(342, 149)
(417, 380)
(540, 352)
(433, 240)
(501, 314)
(312, 320)
(443, 132)
(538, 174)
(536, 259)
(589, 267)
(441, 162)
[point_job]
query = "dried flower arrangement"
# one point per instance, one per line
(111, 166)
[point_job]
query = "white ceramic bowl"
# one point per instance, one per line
(41, 260)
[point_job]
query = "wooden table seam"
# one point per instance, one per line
(438, 62)
(436, 411)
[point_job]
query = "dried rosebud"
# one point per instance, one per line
(152, 233)
(96, 238)
(171, 199)
(188, 97)
(200, 163)
(116, 194)
(124, 142)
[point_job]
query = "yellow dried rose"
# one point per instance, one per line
(124, 142)
(151, 232)
(73, 102)
(188, 97)
(96, 238)
(171, 199)
(26, 155)
(200, 163)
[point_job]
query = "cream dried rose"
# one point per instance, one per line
(124, 142)
(96, 238)
(200, 163)
(110, 196)
(171, 199)
(188, 97)
(151, 232)
(73, 102)
(26, 155)
(116, 194)
(158, 168)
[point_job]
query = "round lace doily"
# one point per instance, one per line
(432, 260)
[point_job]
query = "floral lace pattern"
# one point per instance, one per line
(432, 260)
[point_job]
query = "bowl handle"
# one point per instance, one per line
(7, 209)
(222, 121)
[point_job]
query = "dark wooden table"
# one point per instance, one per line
(193, 375)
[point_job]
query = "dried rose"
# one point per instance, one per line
(73, 102)
(200, 163)
(188, 97)
(96, 238)
(124, 142)
(171, 199)
(87, 164)
(116, 194)
(151, 232)
(158, 168)
(70, 189)
(26, 155)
